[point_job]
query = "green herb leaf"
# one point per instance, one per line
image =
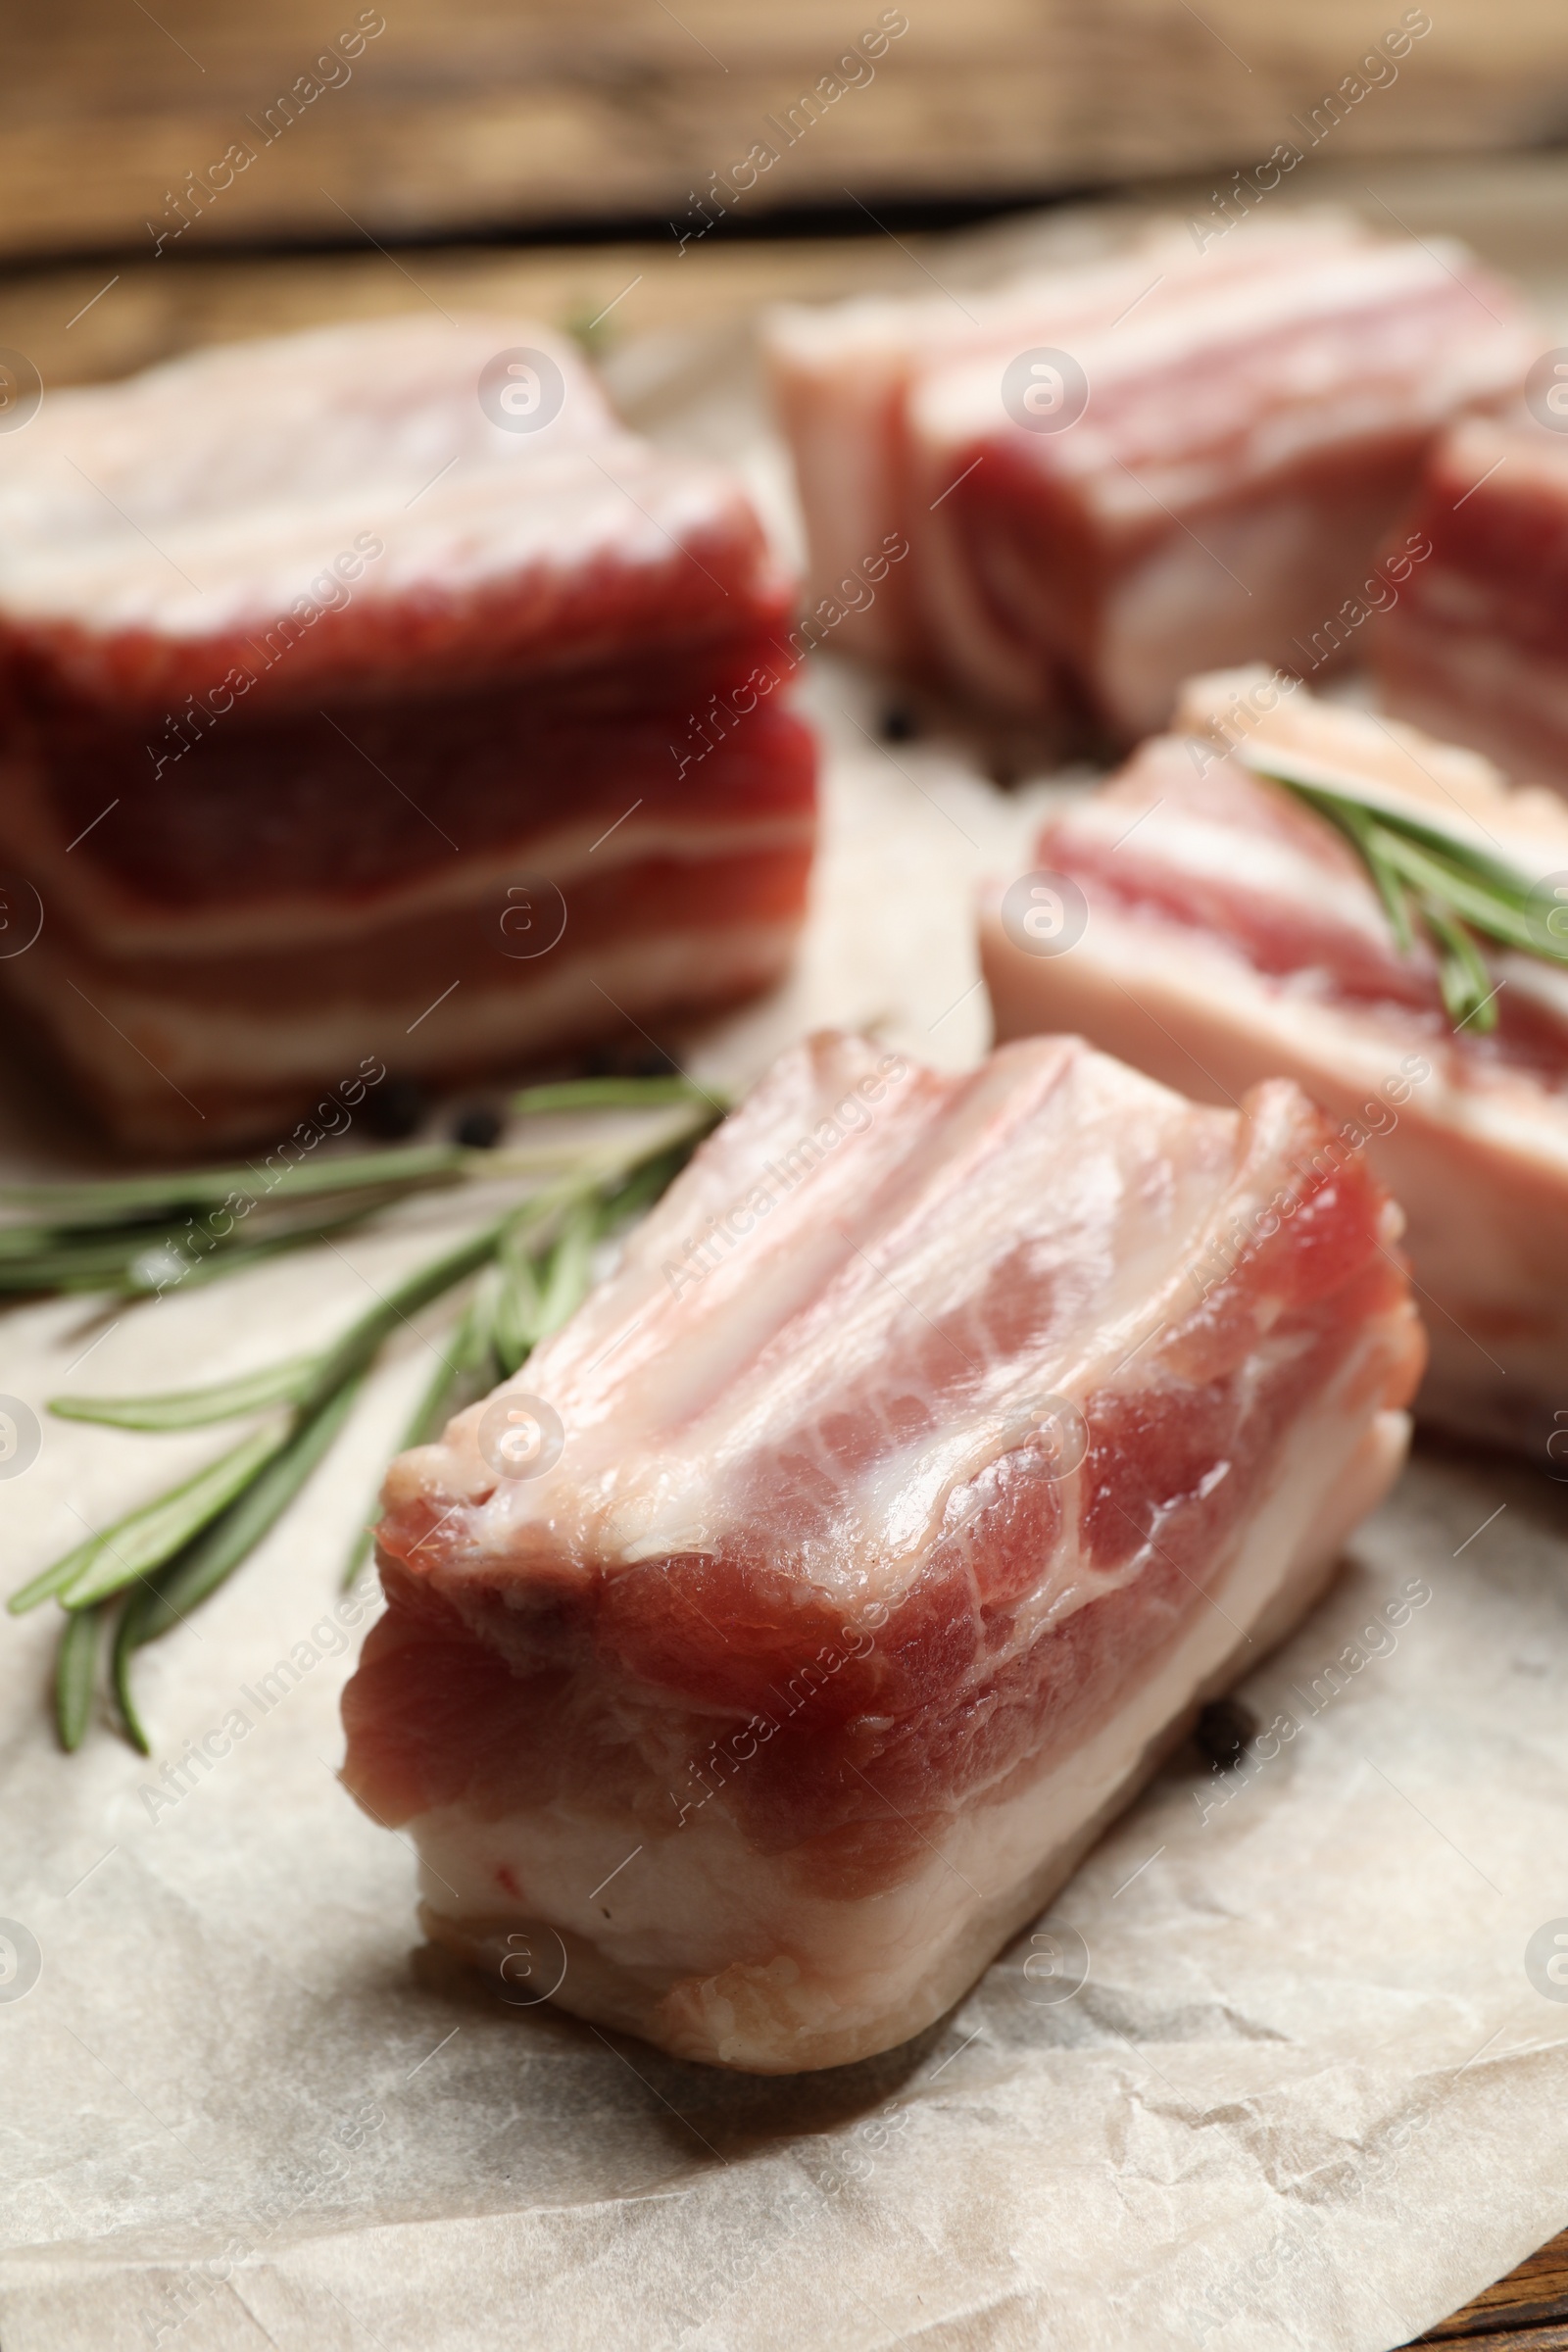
(124, 1697)
(177, 1265)
(125, 1200)
(76, 1670)
(94, 1262)
(54, 1579)
(615, 1093)
(1452, 885)
(515, 1309)
(534, 1264)
(360, 1341)
(144, 1540)
(223, 1546)
(1469, 993)
(231, 1538)
(1391, 889)
(194, 1409)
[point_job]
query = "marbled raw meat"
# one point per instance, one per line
(1233, 934)
(1256, 413)
(1476, 649)
(818, 1659)
(311, 673)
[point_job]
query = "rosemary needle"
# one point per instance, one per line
(122, 1200)
(612, 1094)
(136, 1545)
(534, 1263)
(1426, 874)
(222, 1545)
(75, 1671)
(195, 1408)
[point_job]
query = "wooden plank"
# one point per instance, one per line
(468, 114)
(85, 323)
(1547, 2338)
(1532, 2298)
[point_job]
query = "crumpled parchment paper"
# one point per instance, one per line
(1286, 2065)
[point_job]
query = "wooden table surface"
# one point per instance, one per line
(137, 311)
(474, 113)
(1526, 2312)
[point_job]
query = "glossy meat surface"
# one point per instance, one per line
(1477, 648)
(1231, 933)
(1239, 427)
(906, 1457)
(308, 664)
(158, 532)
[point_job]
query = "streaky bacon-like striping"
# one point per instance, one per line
(308, 661)
(808, 1523)
(1232, 931)
(1113, 472)
(1477, 646)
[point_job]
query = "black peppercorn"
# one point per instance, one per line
(478, 1128)
(396, 1107)
(1225, 1731)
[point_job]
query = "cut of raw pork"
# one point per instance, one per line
(1256, 415)
(1477, 647)
(1233, 934)
(326, 696)
(939, 1443)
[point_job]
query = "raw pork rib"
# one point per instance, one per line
(320, 691)
(1232, 933)
(803, 1679)
(1477, 647)
(1256, 413)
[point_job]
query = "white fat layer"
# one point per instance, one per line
(1263, 865)
(1246, 1024)
(1476, 1152)
(203, 1045)
(246, 570)
(964, 400)
(1254, 711)
(205, 496)
(841, 340)
(120, 923)
(682, 1388)
(1538, 463)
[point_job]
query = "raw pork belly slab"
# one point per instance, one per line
(1477, 647)
(1232, 934)
(1256, 413)
(320, 691)
(938, 1443)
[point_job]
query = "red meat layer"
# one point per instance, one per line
(354, 797)
(868, 1741)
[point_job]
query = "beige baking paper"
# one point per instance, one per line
(1286, 2065)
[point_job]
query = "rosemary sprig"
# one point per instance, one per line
(203, 1565)
(195, 1408)
(148, 1536)
(1427, 876)
(122, 1199)
(76, 1668)
(533, 1262)
(145, 1234)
